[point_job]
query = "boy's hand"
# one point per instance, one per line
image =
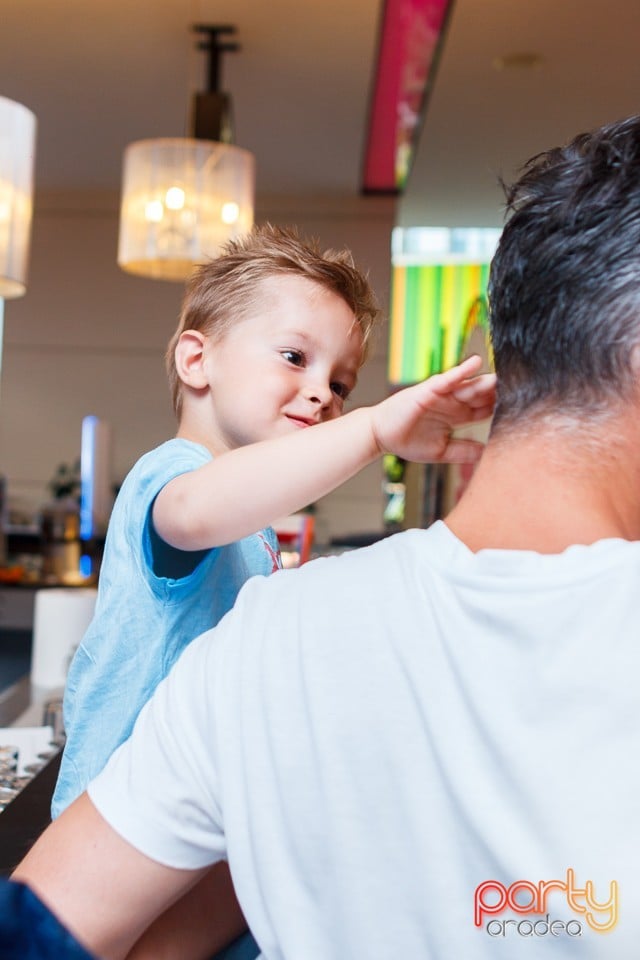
(416, 423)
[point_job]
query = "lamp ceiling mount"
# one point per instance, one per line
(212, 114)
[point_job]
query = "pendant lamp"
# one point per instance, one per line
(182, 198)
(17, 151)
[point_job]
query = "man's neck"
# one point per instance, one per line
(548, 491)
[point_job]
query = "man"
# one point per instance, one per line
(428, 748)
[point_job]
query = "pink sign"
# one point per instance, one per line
(410, 37)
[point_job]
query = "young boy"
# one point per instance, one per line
(270, 341)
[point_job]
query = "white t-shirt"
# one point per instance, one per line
(400, 748)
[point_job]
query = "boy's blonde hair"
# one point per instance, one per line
(224, 290)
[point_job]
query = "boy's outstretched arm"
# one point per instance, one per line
(248, 488)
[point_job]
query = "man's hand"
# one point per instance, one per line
(417, 423)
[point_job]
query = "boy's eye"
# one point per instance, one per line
(340, 389)
(293, 356)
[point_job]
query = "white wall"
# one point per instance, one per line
(89, 339)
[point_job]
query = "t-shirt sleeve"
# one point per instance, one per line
(156, 469)
(150, 475)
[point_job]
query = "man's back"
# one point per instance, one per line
(399, 771)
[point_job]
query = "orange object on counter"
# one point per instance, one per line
(12, 574)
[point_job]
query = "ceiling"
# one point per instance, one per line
(482, 122)
(101, 74)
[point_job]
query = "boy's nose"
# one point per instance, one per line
(318, 393)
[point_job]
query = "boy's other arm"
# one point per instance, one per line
(250, 487)
(100, 887)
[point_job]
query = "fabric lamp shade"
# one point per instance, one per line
(182, 198)
(17, 152)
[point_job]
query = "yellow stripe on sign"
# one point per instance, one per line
(398, 320)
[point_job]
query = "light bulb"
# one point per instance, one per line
(230, 212)
(153, 211)
(174, 199)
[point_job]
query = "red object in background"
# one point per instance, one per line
(295, 535)
(410, 37)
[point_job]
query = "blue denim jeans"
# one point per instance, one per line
(29, 931)
(244, 948)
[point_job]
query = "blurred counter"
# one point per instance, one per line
(27, 815)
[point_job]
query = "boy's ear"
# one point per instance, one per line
(189, 357)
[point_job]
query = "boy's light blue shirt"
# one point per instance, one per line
(144, 621)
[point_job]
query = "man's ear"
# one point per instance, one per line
(189, 357)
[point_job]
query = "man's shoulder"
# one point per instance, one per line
(381, 551)
(389, 552)
(330, 583)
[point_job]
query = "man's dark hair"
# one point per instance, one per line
(564, 289)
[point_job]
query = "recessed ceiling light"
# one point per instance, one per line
(518, 61)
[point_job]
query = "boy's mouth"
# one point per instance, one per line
(300, 421)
